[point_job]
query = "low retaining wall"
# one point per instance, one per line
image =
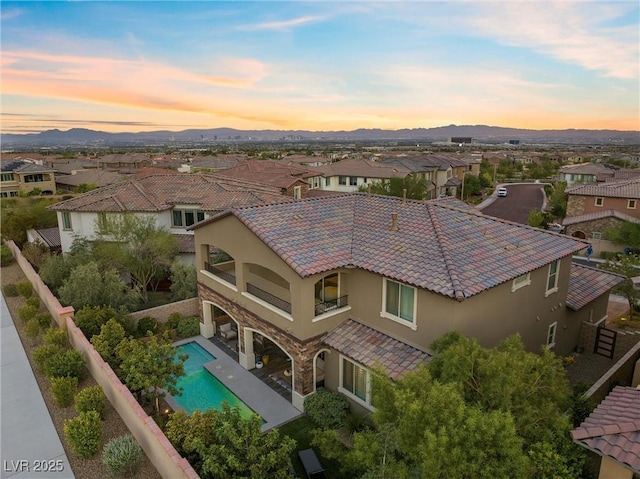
(622, 372)
(161, 453)
(187, 307)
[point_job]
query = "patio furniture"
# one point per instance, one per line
(311, 464)
(227, 332)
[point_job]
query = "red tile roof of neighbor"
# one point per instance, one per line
(611, 189)
(437, 246)
(268, 173)
(572, 220)
(162, 192)
(369, 347)
(587, 284)
(362, 168)
(613, 428)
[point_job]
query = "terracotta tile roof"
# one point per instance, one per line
(439, 247)
(161, 192)
(363, 169)
(572, 220)
(51, 236)
(585, 168)
(97, 177)
(19, 166)
(371, 347)
(613, 428)
(268, 173)
(611, 189)
(186, 243)
(587, 284)
(425, 162)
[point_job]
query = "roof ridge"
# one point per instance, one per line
(137, 186)
(443, 244)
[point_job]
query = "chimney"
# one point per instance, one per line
(369, 189)
(394, 222)
(404, 196)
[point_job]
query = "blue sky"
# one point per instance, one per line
(134, 66)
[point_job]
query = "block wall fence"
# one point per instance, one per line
(161, 453)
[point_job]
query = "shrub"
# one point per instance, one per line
(84, 434)
(173, 320)
(67, 362)
(10, 290)
(63, 390)
(121, 455)
(90, 319)
(44, 319)
(358, 423)
(129, 324)
(56, 336)
(91, 399)
(25, 289)
(26, 313)
(34, 301)
(326, 408)
(105, 343)
(188, 327)
(5, 255)
(32, 330)
(147, 324)
(44, 353)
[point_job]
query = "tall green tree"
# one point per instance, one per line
(184, 282)
(627, 265)
(222, 444)
(57, 268)
(137, 246)
(558, 201)
(151, 366)
(416, 187)
(628, 234)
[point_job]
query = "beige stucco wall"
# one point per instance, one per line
(581, 205)
(610, 469)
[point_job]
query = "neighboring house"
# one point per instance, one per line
(584, 172)
(22, 177)
(176, 200)
(612, 431)
(592, 208)
(335, 285)
(49, 237)
(444, 173)
(211, 163)
(97, 178)
(292, 180)
(348, 175)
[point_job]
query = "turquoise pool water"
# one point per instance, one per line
(200, 390)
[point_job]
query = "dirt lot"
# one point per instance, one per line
(113, 426)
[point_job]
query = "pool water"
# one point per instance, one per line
(200, 390)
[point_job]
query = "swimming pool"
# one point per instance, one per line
(200, 389)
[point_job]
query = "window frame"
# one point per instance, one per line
(327, 181)
(353, 181)
(367, 401)
(555, 275)
(397, 318)
(599, 201)
(342, 180)
(521, 282)
(297, 192)
(596, 235)
(198, 215)
(551, 335)
(6, 177)
(631, 204)
(67, 224)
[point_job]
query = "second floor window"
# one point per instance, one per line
(66, 221)
(631, 204)
(342, 180)
(521, 282)
(399, 301)
(599, 202)
(327, 182)
(297, 192)
(35, 178)
(7, 177)
(184, 218)
(353, 181)
(552, 278)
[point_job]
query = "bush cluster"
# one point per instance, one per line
(188, 327)
(44, 319)
(121, 455)
(56, 361)
(6, 257)
(44, 353)
(34, 301)
(173, 320)
(146, 325)
(26, 313)
(84, 434)
(327, 409)
(64, 389)
(10, 290)
(32, 330)
(56, 336)
(91, 399)
(25, 289)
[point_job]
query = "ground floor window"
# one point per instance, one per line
(355, 381)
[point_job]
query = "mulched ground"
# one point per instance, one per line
(113, 426)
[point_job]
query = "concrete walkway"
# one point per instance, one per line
(29, 444)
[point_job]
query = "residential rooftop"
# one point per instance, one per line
(587, 284)
(363, 168)
(268, 173)
(435, 245)
(629, 188)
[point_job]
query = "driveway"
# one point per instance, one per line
(521, 199)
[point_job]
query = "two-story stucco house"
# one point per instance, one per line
(332, 286)
(592, 208)
(22, 177)
(177, 201)
(349, 175)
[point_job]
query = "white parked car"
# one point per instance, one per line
(502, 191)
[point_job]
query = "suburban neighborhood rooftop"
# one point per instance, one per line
(433, 245)
(612, 189)
(587, 284)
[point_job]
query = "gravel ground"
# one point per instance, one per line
(113, 426)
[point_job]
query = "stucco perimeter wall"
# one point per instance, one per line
(160, 451)
(621, 372)
(187, 307)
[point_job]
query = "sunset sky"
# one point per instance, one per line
(312, 65)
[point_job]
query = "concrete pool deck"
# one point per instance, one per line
(273, 408)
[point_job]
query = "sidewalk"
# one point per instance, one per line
(29, 444)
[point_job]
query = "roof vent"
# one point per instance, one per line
(404, 196)
(394, 222)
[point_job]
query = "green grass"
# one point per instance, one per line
(300, 430)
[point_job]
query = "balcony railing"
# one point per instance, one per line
(225, 275)
(340, 302)
(269, 298)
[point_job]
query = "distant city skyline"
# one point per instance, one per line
(319, 66)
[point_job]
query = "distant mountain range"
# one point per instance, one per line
(480, 133)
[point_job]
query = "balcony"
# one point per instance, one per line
(331, 304)
(267, 297)
(224, 271)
